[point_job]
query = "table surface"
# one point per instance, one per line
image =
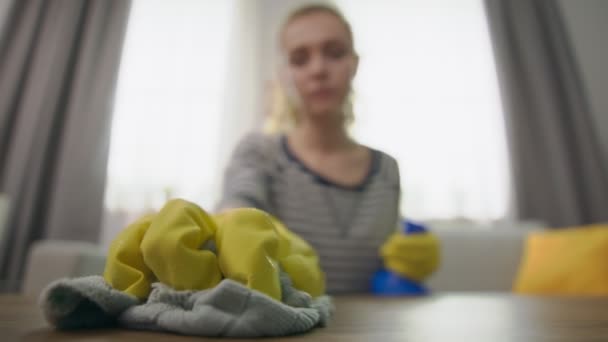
(450, 317)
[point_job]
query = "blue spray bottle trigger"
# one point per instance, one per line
(410, 227)
(386, 283)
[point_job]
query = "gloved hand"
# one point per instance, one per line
(125, 267)
(414, 256)
(252, 244)
(164, 247)
(299, 260)
(170, 247)
(247, 246)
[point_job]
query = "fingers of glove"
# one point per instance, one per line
(417, 270)
(412, 240)
(299, 260)
(171, 247)
(125, 269)
(428, 264)
(414, 256)
(248, 249)
(409, 270)
(410, 245)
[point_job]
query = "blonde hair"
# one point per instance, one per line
(282, 112)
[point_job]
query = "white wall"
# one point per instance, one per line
(587, 23)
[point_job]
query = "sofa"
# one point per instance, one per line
(480, 259)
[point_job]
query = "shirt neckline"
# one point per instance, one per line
(373, 168)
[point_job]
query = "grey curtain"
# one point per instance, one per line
(560, 171)
(58, 69)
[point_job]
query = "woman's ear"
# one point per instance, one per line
(286, 83)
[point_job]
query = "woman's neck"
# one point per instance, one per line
(321, 137)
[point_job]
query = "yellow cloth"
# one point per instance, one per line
(251, 244)
(414, 256)
(565, 262)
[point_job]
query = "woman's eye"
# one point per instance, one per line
(335, 51)
(298, 58)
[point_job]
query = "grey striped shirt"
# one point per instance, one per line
(345, 225)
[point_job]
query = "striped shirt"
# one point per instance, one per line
(346, 226)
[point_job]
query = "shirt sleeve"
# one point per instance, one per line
(246, 179)
(395, 179)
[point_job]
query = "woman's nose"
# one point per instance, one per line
(318, 67)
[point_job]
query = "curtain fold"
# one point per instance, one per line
(58, 66)
(560, 171)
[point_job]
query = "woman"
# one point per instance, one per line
(340, 196)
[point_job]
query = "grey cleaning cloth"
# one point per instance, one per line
(229, 309)
(80, 303)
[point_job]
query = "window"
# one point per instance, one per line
(168, 106)
(427, 93)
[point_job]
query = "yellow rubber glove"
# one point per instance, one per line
(250, 244)
(125, 268)
(248, 248)
(171, 247)
(298, 259)
(414, 256)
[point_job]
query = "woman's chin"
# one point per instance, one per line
(324, 113)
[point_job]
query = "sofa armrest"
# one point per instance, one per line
(49, 260)
(478, 260)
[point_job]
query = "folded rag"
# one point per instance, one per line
(230, 309)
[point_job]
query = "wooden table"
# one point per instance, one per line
(482, 317)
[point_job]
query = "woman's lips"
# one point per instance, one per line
(322, 93)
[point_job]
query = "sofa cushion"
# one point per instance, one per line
(570, 261)
(478, 259)
(49, 260)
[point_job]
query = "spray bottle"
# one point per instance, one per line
(387, 283)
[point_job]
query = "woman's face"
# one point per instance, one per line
(320, 63)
